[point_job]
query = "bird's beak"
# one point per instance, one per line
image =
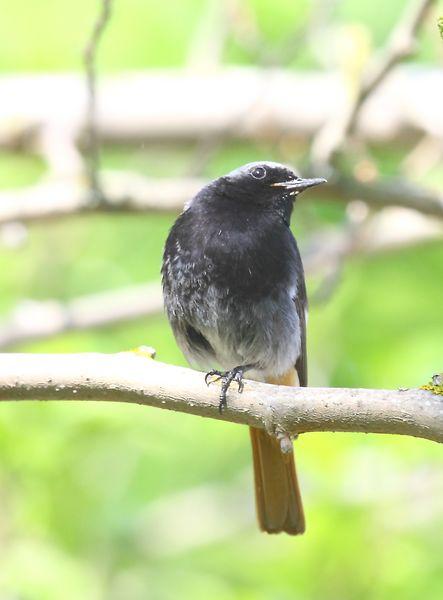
(299, 185)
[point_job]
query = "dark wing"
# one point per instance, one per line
(197, 342)
(184, 289)
(301, 366)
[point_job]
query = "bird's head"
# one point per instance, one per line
(265, 182)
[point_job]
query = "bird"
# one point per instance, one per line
(235, 297)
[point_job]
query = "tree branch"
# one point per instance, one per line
(276, 102)
(127, 377)
(32, 320)
(332, 138)
(130, 192)
(93, 140)
(401, 44)
(323, 253)
(386, 192)
(123, 192)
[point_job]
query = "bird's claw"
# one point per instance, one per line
(226, 378)
(239, 379)
(208, 381)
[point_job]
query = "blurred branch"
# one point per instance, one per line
(387, 192)
(401, 44)
(267, 104)
(123, 192)
(363, 234)
(425, 155)
(32, 320)
(209, 38)
(246, 32)
(324, 254)
(239, 20)
(353, 235)
(131, 192)
(127, 377)
(93, 142)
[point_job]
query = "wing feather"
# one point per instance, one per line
(301, 365)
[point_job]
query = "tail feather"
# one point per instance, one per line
(277, 493)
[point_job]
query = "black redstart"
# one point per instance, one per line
(235, 296)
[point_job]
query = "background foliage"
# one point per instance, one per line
(127, 502)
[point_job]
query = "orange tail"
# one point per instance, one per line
(277, 493)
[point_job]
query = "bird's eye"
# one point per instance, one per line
(258, 173)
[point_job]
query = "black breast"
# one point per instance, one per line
(248, 253)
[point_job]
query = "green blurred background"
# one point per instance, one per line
(124, 502)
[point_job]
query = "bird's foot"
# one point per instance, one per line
(213, 376)
(227, 377)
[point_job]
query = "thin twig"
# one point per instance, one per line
(93, 141)
(267, 58)
(352, 240)
(401, 44)
(332, 138)
(247, 34)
